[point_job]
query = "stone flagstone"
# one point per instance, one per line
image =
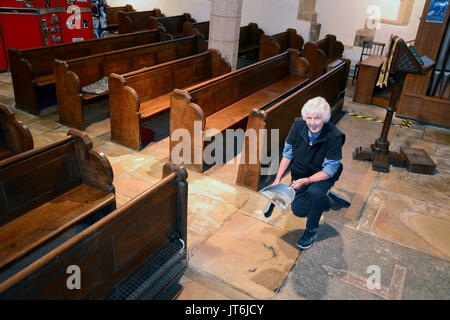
(248, 254)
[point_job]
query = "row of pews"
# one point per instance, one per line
(137, 251)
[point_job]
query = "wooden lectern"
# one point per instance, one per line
(403, 63)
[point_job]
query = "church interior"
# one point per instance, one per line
(91, 174)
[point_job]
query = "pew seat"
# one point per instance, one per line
(240, 110)
(155, 106)
(44, 80)
(248, 48)
(86, 97)
(43, 223)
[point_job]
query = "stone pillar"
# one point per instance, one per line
(224, 26)
(314, 31)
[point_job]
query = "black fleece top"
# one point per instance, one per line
(309, 156)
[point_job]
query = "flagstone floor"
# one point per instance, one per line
(398, 220)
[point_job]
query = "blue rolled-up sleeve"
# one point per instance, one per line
(330, 167)
(287, 151)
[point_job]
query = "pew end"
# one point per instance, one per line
(185, 118)
(15, 137)
(124, 113)
(316, 58)
(22, 75)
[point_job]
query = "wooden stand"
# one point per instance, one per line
(403, 62)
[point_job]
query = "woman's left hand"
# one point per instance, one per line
(297, 184)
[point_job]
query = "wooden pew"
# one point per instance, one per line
(173, 24)
(277, 43)
(249, 37)
(141, 95)
(48, 193)
(332, 48)
(112, 13)
(32, 69)
(72, 75)
(136, 252)
(330, 85)
(15, 137)
(136, 21)
(191, 28)
(332, 51)
(225, 102)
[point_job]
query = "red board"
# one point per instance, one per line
(42, 23)
(20, 31)
(3, 59)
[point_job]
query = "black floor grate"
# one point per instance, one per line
(153, 279)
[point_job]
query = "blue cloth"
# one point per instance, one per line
(330, 167)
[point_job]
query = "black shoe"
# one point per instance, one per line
(268, 209)
(306, 240)
(337, 201)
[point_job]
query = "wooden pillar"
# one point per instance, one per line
(225, 23)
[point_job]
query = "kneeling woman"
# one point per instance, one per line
(313, 150)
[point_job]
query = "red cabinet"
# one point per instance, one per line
(35, 23)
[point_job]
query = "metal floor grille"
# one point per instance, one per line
(154, 278)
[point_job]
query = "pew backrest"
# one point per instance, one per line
(250, 34)
(332, 48)
(191, 28)
(173, 24)
(113, 12)
(136, 21)
(277, 43)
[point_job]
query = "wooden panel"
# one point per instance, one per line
(53, 282)
(160, 83)
(427, 43)
(24, 184)
(157, 220)
(183, 75)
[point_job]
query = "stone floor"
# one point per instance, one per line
(398, 226)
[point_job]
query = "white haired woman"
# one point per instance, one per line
(313, 151)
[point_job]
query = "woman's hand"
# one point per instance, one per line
(297, 184)
(275, 182)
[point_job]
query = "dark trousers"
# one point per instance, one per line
(311, 201)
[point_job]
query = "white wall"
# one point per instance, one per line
(339, 17)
